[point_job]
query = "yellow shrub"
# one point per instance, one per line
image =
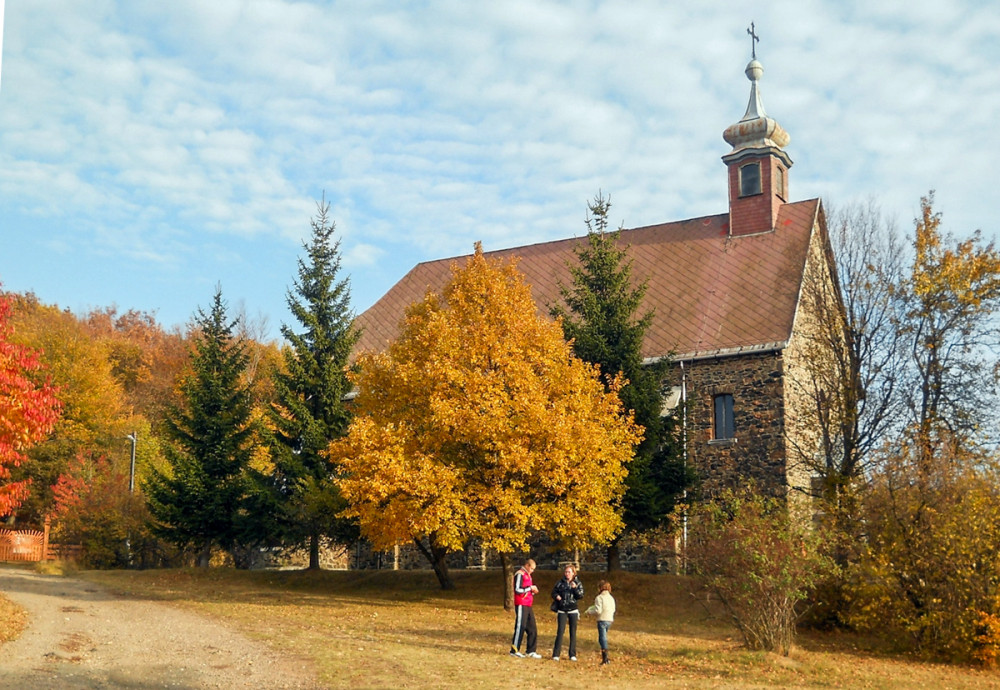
(986, 644)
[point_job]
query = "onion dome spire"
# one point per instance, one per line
(755, 129)
(757, 164)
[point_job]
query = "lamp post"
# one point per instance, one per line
(133, 437)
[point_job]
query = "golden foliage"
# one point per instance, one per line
(951, 280)
(478, 422)
(145, 359)
(261, 453)
(986, 644)
(929, 564)
(953, 300)
(93, 400)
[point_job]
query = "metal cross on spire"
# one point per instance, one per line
(754, 40)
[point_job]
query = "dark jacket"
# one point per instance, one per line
(571, 592)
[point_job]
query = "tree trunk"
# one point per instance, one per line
(614, 557)
(314, 551)
(508, 581)
(205, 555)
(438, 558)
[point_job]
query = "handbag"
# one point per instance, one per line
(555, 606)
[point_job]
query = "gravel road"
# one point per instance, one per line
(82, 636)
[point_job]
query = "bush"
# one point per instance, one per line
(926, 576)
(986, 643)
(95, 509)
(759, 561)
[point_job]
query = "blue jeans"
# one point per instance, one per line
(602, 633)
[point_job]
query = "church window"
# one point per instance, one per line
(779, 174)
(750, 179)
(724, 421)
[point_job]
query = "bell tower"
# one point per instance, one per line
(758, 165)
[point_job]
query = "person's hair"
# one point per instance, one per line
(530, 563)
(604, 586)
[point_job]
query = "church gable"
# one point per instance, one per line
(819, 328)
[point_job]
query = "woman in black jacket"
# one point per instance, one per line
(565, 594)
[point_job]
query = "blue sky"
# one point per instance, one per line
(151, 150)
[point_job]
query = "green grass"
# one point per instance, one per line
(397, 629)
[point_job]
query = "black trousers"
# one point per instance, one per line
(524, 624)
(572, 618)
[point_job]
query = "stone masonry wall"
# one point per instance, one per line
(758, 450)
(809, 359)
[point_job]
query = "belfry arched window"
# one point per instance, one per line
(750, 179)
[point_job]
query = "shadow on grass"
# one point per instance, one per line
(383, 588)
(648, 604)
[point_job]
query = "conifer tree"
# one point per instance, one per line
(204, 500)
(311, 412)
(601, 316)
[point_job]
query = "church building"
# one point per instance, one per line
(727, 292)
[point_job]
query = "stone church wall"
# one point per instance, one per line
(815, 353)
(758, 450)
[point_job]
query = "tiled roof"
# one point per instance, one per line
(711, 293)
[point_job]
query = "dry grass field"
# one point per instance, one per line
(397, 629)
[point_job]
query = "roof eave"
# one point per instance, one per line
(719, 353)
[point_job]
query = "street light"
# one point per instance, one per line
(133, 437)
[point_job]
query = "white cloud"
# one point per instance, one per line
(362, 255)
(170, 130)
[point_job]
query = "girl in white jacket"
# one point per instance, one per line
(604, 609)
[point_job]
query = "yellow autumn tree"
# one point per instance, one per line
(926, 575)
(924, 571)
(952, 302)
(94, 420)
(478, 422)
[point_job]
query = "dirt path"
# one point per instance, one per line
(82, 636)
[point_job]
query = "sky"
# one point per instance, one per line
(151, 151)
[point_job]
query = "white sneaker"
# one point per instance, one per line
(555, 658)
(517, 654)
(572, 658)
(534, 655)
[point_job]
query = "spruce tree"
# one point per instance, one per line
(202, 501)
(601, 316)
(311, 411)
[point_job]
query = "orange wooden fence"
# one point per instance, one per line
(23, 545)
(32, 545)
(63, 552)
